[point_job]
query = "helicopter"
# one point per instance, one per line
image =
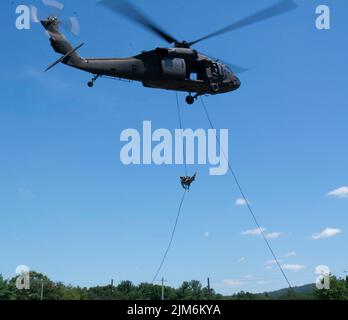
(178, 68)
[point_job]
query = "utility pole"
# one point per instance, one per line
(162, 295)
(112, 289)
(209, 292)
(42, 289)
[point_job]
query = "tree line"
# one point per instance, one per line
(41, 287)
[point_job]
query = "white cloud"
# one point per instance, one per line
(263, 282)
(253, 232)
(271, 262)
(339, 193)
(241, 260)
(230, 283)
(326, 233)
(293, 267)
(245, 280)
(258, 231)
(290, 254)
(273, 235)
(206, 234)
(241, 202)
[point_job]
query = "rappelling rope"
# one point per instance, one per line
(180, 205)
(245, 198)
(180, 123)
(171, 238)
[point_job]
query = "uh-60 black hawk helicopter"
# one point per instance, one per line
(178, 68)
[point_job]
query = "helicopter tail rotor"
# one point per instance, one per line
(53, 9)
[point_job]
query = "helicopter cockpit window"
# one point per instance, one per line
(228, 70)
(222, 72)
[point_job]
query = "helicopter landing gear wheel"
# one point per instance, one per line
(91, 82)
(190, 100)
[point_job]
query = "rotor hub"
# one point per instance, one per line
(182, 44)
(53, 20)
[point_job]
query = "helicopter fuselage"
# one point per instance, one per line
(200, 75)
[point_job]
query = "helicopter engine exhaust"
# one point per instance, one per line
(181, 53)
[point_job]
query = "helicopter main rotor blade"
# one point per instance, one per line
(270, 12)
(236, 69)
(128, 10)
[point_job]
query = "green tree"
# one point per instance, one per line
(5, 292)
(126, 290)
(149, 291)
(192, 290)
(243, 296)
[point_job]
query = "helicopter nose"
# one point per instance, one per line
(237, 82)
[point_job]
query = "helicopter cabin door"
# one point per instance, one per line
(174, 68)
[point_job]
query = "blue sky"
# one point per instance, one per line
(71, 210)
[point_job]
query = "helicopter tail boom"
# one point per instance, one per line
(65, 57)
(60, 44)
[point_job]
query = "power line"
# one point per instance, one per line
(171, 238)
(245, 198)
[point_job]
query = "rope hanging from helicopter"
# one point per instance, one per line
(251, 211)
(240, 190)
(180, 204)
(180, 122)
(171, 238)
